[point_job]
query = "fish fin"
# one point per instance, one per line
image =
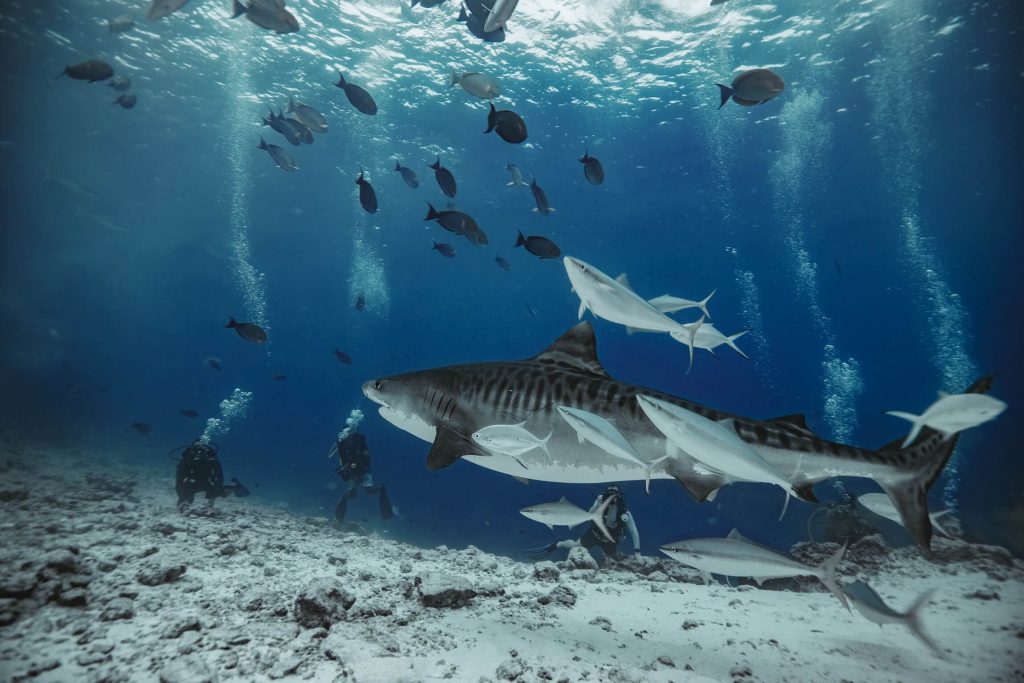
(492, 119)
(550, 526)
(795, 422)
(735, 535)
(630, 331)
(759, 580)
(522, 480)
(942, 394)
(935, 522)
(705, 576)
(577, 348)
(703, 303)
(726, 92)
(731, 341)
(582, 310)
(341, 80)
(237, 9)
(699, 489)
(806, 492)
(913, 419)
(693, 339)
(914, 621)
(623, 280)
(453, 79)
(828, 575)
(598, 518)
(231, 322)
(449, 446)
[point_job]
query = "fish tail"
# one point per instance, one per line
(237, 9)
(453, 78)
(726, 93)
(703, 303)
(828, 574)
(938, 527)
(432, 213)
(910, 417)
(915, 624)
(341, 79)
(231, 322)
(731, 340)
(436, 165)
(462, 13)
(263, 143)
(492, 119)
(598, 518)
(398, 166)
(921, 464)
(520, 240)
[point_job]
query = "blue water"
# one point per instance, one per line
(866, 224)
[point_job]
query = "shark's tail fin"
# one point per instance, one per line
(914, 621)
(923, 460)
(828, 575)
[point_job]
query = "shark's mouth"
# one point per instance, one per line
(409, 423)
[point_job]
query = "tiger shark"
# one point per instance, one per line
(446, 405)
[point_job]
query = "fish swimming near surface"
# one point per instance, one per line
(282, 126)
(539, 246)
(444, 249)
(735, 555)
(593, 171)
(408, 175)
(188, 412)
(120, 83)
(476, 84)
(564, 513)
(279, 156)
(475, 24)
(517, 176)
(360, 302)
(343, 357)
(268, 14)
(871, 606)
(127, 100)
(880, 504)
(141, 427)
(445, 406)
(120, 24)
(953, 413)
(357, 96)
(444, 177)
(502, 263)
(307, 116)
(91, 70)
(509, 125)
(367, 197)
(541, 198)
(499, 15)
(755, 86)
(250, 332)
(158, 9)
(213, 363)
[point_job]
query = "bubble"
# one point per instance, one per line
(351, 423)
(233, 408)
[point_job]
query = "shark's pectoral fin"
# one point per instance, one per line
(699, 488)
(522, 480)
(806, 492)
(911, 500)
(449, 446)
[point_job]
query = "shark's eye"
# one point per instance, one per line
(378, 385)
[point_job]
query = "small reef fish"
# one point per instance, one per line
(755, 86)
(250, 332)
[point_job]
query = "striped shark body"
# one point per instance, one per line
(445, 406)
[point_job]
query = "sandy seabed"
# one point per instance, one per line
(103, 579)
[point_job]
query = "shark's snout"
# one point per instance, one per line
(372, 390)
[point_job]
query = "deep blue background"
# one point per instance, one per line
(101, 328)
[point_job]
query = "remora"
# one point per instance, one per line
(446, 405)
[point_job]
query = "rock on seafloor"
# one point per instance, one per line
(104, 580)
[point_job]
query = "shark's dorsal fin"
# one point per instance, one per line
(449, 446)
(796, 420)
(576, 348)
(623, 280)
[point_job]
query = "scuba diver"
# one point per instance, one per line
(617, 519)
(354, 469)
(199, 470)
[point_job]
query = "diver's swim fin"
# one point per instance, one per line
(385, 504)
(340, 509)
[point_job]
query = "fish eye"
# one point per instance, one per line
(378, 385)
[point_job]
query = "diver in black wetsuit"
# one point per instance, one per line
(617, 519)
(199, 471)
(354, 469)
